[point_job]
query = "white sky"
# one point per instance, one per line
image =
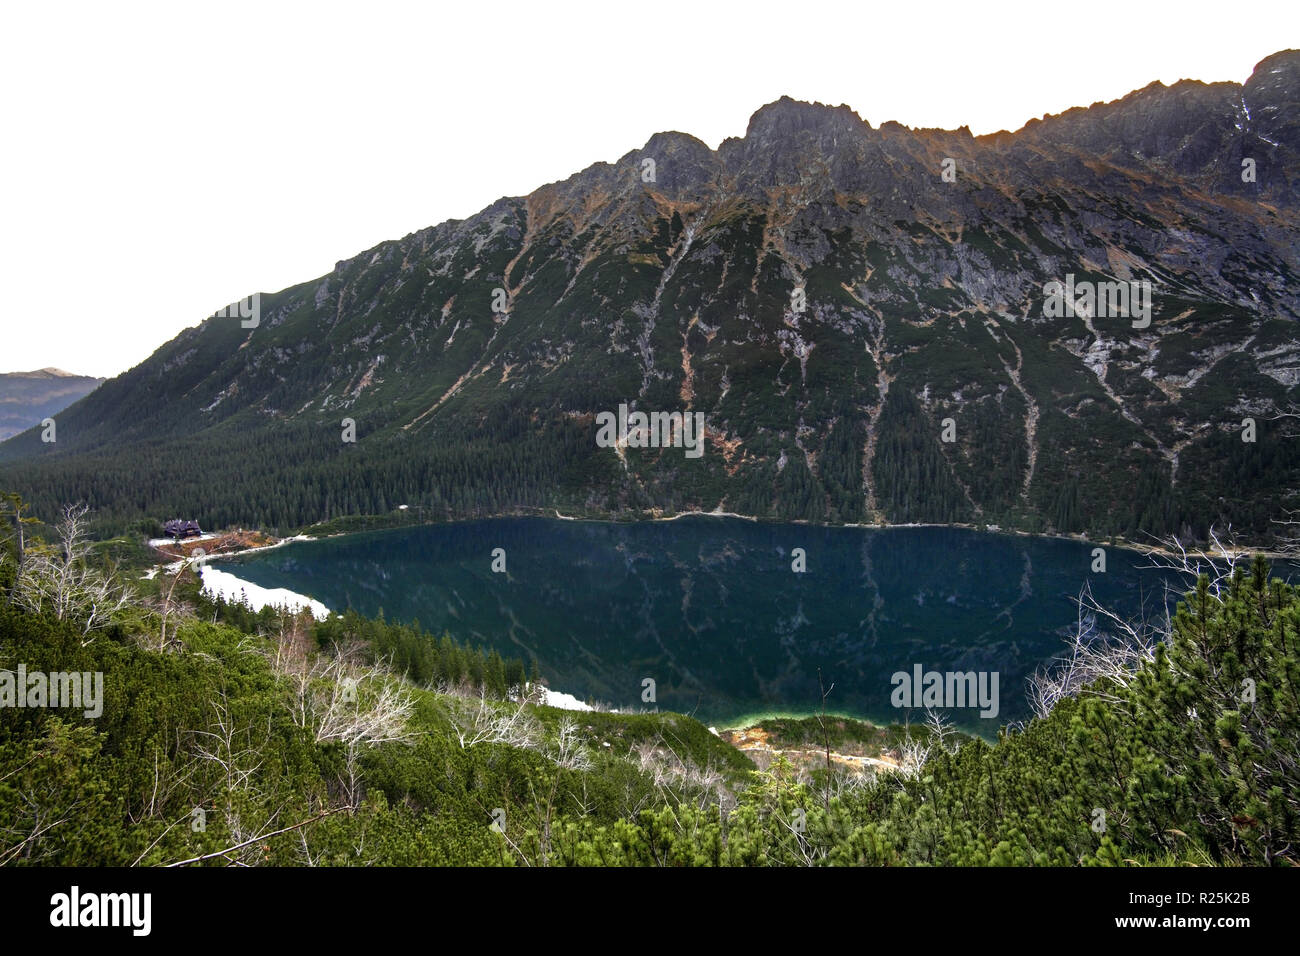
(160, 161)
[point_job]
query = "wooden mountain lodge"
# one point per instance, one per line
(180, 530)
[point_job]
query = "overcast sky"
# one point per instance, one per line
(160, 161)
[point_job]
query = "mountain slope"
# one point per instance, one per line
(671, 280)
(26, 398)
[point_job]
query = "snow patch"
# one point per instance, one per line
(223, 584)
(555, 698)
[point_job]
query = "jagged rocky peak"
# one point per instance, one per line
(1156, 120)
(788, 141)
(674, 143)
(786, 117)
(1272, 99)
(683, 165)
(780, 134)
(1201, 130)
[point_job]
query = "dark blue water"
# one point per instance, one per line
(711, 610)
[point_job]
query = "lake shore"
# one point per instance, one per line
(230, 585)
(232, 588)
(1159, 547)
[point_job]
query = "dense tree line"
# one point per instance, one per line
(406, 649)
(292, 479)
(514, 460)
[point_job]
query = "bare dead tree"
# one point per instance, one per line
(913, 754)
(1219, 562)
(259, 838)
(36, 802)
(231, 750)
(488, 724)
(676, 779)
(1105, 650)
(941, 729)
(41, 826)
(570, 751)
(1288, 541)
(237, 754)
(852, 782)
(1292, 419)
(65, 582)
(826, 737)
(338, 699)
(291, 658)
(168, 605)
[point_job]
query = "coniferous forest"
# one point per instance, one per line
(224, 730)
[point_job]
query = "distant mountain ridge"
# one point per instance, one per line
(26, 398)
(831, 296)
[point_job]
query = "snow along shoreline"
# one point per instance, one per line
(223, 584)
(226, 585)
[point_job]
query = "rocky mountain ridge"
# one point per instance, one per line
(831, 296)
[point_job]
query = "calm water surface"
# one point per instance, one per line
(710, 609)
